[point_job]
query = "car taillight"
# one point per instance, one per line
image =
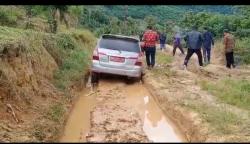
(138, 63)
(139, 60)
(95, 55)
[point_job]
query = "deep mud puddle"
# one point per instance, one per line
(155, 125)
(78, 123)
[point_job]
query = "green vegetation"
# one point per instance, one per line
(163, 12)
(71, 50)
(222, 121)
(168, 19)
(163, 60)
(237, 23)
(234, 92)
(11, 15)
(56, 112)
(75, 50)
(111, 19)
(243, 50)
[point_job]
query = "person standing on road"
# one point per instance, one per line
(177, 43)
(194, 43)
(229, 44)
(150, 39)
(208, 41)
(163, 38)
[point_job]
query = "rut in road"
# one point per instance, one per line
(123, 113)
(127, 113)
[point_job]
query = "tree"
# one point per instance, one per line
(28, 9)
(151, 20)
(60, 11)
(245, 10)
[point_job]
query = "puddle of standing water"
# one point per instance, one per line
(78, 123)
(155, 125)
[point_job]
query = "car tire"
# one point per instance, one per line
(141, 79)
(129, 80)
(94, 78)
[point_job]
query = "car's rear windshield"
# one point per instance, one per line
(121, 44)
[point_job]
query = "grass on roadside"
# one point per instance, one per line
(221, 121)
(163, 60)
(75, 48)
(56, 112)
(234, 92)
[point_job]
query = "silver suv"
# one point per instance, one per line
(117, 54)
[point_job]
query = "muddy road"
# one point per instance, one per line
(157, 111)
(119, 112)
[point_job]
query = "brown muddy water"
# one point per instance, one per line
(78, 123)
(156, 125)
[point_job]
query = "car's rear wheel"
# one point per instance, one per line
(131, 80)
(94, 78)
(142, 77)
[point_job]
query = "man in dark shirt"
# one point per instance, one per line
(208, 41)
(194, 43)
(163, 38)
(177, 43)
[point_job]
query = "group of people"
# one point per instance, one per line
(196, 42)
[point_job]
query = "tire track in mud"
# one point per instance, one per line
(123, 113)
(112, 120)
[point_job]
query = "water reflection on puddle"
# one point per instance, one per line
(156, 126)
(159, 131)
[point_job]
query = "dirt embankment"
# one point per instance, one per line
(201, 116)
(32, 108)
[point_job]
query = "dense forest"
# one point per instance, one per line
(132, 20)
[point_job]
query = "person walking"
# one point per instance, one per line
(208, 42)
(150, 39)
(163, 38)
(177, 43)
(229, 44)
(194, 43)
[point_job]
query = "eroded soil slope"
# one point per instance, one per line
(32, 107)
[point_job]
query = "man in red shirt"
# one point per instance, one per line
(150, 39)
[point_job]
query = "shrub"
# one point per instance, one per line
(234, 92)
(9, 15)
(243, 50)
